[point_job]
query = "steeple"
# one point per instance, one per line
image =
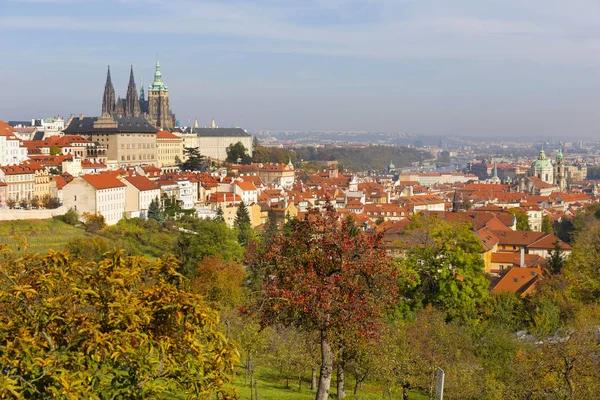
(158, 85)
(132, 104)
(559, 155)
(495, 176)
(196, 123)
(212, 124)
(542, 155)
(108, 98)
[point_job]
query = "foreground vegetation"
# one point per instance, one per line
(375, 326)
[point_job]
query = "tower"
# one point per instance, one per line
(108, 99)
(132, 104)
(159, 112)
(559, 169)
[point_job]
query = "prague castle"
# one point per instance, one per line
(155, 108)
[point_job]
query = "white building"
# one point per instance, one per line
(97, 194)
(11, 151)
(186, 194)
(139, 194)
(247, 191)
(214, 141)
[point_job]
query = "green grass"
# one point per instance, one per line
(41, 235)
(271, 387)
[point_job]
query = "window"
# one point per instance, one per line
(515, 280)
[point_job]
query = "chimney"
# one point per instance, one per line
(411, 191)
(522, 264)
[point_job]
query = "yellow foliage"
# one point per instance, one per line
(119, 328)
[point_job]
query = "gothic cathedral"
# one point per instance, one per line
(155, 108)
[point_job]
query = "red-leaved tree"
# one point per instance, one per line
(327, 276)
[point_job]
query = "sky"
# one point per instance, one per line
(494, 69)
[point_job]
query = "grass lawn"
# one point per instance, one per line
(271, 387)
(41, 235)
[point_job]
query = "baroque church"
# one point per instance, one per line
(155, 108)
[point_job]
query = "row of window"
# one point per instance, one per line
(139, 146)
(142, 157)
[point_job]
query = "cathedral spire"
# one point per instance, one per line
(108, 98)
(132, 104)
(108, 79)
(131, 80)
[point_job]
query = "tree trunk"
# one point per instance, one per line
(299, 383)
(356, 385)
(313, 379)
(341, 389)
(326, 368)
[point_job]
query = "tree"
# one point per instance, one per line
(547, 224)
(582, 267)
(445, 267)
(154, 210)
(236, 152)
(71, 217)
(11, 203)
(194, 161)
(220, 216)
(52, 202)
(205, 238)
(271, 228)
(119, 328)
(24, 203)
(242, 224)
(321, 278)
(35, 202)
(219, 282)
(555, 260)
(55, 150)
(93, 222)
(522, 219)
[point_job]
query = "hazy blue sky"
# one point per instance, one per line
(472, 67)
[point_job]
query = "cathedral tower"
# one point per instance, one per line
(159, 112)
(132, 105)
(559, 170)
(108, 99)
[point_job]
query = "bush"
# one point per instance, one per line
(71, 217)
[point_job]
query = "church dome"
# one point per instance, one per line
(542, 162)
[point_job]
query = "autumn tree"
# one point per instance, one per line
(582, 267)
(220, 282)
(323, 278)
(446, 268)
(118, 328)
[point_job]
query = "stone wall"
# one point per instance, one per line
(12, 215)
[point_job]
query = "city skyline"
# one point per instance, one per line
(475, 68)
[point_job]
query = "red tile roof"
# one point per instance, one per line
(166, 135)
(103, 181)
(141, 183)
